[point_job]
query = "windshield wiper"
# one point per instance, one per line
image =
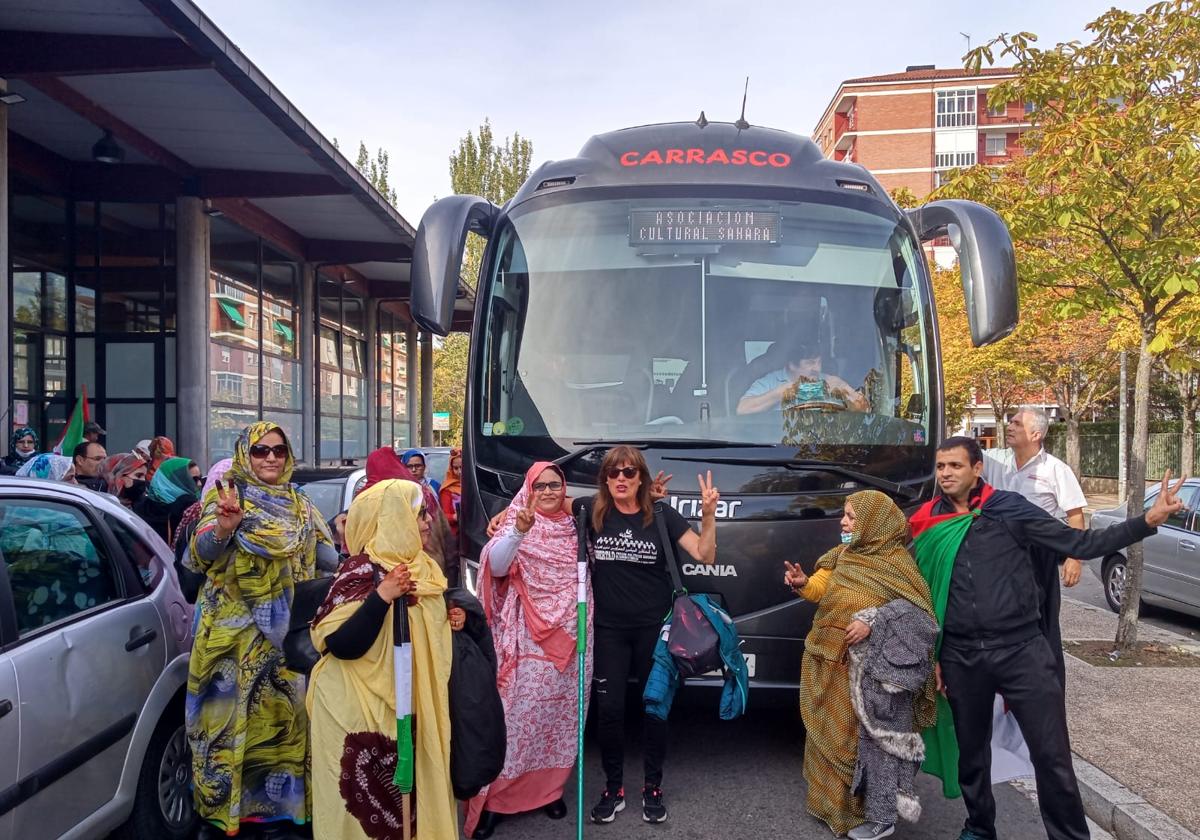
(589, 446)
(835, 467)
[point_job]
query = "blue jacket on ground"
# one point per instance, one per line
(663, 681)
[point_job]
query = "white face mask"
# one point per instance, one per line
(846, 538)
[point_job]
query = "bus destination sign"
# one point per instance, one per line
(703, 225)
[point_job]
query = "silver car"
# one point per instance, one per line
(94, 644)
(1171, 568)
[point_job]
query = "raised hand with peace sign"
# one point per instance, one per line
(709, 495)
(1168, 501)
(526, 514)
(229, 510)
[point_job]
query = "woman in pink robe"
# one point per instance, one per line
(527, 583)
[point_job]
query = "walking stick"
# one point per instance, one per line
(581, 655)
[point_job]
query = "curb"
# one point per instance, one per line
(1117, 809)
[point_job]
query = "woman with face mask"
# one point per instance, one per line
(124, 476)
(22, 446)
(869, 569)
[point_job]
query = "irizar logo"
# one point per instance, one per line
(690, 508)
(715, 570)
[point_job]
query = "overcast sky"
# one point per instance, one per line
(414, 77)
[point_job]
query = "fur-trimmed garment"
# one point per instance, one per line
(887, 672)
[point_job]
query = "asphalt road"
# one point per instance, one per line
(743, 779)
(1091, 591)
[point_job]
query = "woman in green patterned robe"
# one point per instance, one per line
(257, 537)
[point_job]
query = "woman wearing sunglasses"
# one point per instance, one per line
(527, 583)
(258, 536)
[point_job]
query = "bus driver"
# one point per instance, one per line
(801, 384)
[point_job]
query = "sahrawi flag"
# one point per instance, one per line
(402, 660)
(72, 435)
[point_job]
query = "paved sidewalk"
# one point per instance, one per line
(1137, 725)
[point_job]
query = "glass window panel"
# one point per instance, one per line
(85, 234)
(233, 376)
(27, 297)
(129, 371)
(169, 237)
(353, 355)
(224, 427)
(25, 362)
(130, 235)
(401, 435)
(327, 347)
(281, 385)
(126, 424)
(54, 368)
(331, 438)
(55, 417)
(329, 386)
(233, 310)
(354, 397)
(354, 438)
(169, 362)
(85, 302)
(55, 301)
(131, 301)
(85, 363)
(280, 313)
(329, 303)
(170, 425)
(38, 226)
(353, 318)
(292, 425)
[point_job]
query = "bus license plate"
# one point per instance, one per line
(749, 657)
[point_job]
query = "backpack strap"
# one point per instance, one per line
(668, 549)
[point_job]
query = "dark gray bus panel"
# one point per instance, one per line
(725, 299)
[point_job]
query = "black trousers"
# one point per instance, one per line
(618, 653)
(1026, 675)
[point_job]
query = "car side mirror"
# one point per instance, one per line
(986, 260)
(438, 254)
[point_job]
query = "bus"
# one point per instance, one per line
(725, 298)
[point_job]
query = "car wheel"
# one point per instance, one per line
(1114, 581)
(162, 806)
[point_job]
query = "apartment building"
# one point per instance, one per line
(912, 129)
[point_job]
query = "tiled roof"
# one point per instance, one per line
(931, 75)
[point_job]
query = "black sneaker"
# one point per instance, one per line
(653, 809)
(609, 806)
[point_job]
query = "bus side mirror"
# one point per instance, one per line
(985, 258)
(438, 253)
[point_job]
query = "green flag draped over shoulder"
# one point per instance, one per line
(936, 539)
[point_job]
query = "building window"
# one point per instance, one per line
(953, 160)
(998, 110)
(342, 349)
(997, 145)
(955, 108)
(254, 367)
(1030, 108)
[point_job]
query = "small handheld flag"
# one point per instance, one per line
(72, 434)
(402, 661)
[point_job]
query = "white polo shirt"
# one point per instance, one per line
(1044, 480)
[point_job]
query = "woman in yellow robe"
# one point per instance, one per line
(352, 695)
(870, 570)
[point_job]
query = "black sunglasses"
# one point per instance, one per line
(616, 472)
(261, 450)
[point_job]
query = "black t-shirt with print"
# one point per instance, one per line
(630, 580)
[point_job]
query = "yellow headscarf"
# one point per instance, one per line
(356, 694)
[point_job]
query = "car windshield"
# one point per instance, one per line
(774, 322)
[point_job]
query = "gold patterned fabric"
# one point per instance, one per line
(873, 569)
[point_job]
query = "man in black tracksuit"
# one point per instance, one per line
(992, 642)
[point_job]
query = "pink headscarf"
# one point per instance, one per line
(384, 464)
(539, 588)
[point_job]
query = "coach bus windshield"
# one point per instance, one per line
(800, 323)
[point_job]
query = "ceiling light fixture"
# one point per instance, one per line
(107, 150)
(11, 98)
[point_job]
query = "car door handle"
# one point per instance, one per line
(144, 639)
(1187, 545)
(5, 707)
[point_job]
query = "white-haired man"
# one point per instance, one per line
(1027, 468)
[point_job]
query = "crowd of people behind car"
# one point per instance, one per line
(338, 680)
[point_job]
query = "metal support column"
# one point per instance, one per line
(426, 389)
(308, 381)
(410, 380)
(372, 384)
(191, 334)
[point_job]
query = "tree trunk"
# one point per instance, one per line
(1000, 412)
(1127, 621)
(1073, 453)
(1186, 384)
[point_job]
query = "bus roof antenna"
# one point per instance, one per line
(741, 121)
(703, 121)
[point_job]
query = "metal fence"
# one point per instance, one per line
(1098, 454)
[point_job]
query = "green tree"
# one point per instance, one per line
(375, 170)
(1106, 202)
(480, 166)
